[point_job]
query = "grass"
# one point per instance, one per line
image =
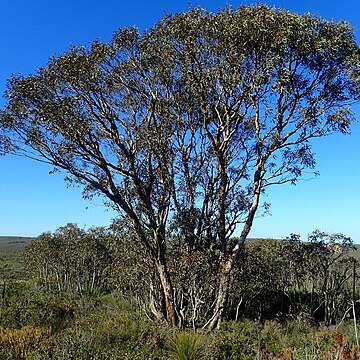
(187, 345)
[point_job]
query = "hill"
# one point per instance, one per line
(14, 242)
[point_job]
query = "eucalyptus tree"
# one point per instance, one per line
(331, 274)
(183, 127)
(72, 259)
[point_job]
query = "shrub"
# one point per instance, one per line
(38, 311)
(18, 342)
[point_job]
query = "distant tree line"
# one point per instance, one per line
(310, 281)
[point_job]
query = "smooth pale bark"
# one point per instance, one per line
(226, 265)
(225, 268)
(167, 289)
(157, 253)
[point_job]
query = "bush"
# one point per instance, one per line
(18, 342)
(37, 310)
(245, 340)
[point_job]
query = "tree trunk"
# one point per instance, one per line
(225, 268)
(162, 301)
(227, 262)
(168, 292)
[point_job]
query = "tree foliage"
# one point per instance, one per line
(309, 281)
(273, 279)
(72, 260)
(183, 127)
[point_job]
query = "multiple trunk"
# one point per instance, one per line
(225, 268)
(166, 301)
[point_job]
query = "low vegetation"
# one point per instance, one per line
(82, 294)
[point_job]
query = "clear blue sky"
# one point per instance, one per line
(32, 201)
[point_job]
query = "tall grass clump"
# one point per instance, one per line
(187, 345)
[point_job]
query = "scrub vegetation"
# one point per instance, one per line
(82, 294)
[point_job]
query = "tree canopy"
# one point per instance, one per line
(183, 127)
